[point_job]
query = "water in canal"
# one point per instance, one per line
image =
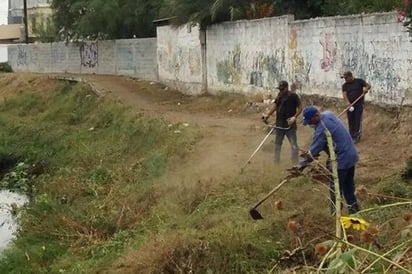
(8, 222)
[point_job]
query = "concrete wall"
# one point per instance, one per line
(247, 56)
(374, 47)
(251, 56)
(179, 57)
(132, 57)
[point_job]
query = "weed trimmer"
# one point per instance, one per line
(351, 105)
(257, 149)
(272, 128)
(254, 213)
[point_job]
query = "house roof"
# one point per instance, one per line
(10, 32)
(13, 32)
(163, 21)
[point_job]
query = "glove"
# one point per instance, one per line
(291, 120)
(301, 165)
(351, 109)
(265, 118)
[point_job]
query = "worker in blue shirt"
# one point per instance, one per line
(345, 150)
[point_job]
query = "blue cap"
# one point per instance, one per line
(308, 113)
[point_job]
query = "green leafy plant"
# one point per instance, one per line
(18, 179)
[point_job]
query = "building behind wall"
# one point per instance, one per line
(16, 9)
(39, 13)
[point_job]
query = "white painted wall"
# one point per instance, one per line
(247, 56)
(3, 53)
(250, 56)
(179, 58)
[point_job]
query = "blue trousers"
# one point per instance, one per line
(291, 135)
(347, 189)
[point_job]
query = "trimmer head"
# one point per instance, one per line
(255, 214)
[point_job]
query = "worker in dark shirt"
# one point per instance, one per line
(287, 107)
(352, 89)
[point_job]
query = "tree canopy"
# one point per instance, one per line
(108, 19)
(116, 19)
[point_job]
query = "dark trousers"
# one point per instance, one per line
(347, 189)
(291, 135)
(355, 122)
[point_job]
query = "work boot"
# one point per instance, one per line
(353, 209)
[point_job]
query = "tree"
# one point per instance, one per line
(345, 7)
(206, 12)
(105, 19)
(64, 18)
(115, 19)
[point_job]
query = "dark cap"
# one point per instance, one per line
(346, 74)
(283, 84)
(308, 114)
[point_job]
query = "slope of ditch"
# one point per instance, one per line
(202, 199)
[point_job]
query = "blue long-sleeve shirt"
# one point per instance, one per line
(345, 150)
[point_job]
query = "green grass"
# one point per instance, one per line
(97, 203)
(99, 163)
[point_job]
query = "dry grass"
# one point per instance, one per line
(174, 253)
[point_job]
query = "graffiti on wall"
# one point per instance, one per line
(268, 69)
(58, 55)
(378, 70)
(22, 56)
(300, 68)
(194, 62)
(229, 69)
(163, 59)
(293, 39)
(89, 54)
(179, 62)
(328, 44)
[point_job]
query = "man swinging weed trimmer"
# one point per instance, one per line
(287, 107)
(344, 149)
(352, 89)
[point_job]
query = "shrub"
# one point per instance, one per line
(5, 67)
(407, 172)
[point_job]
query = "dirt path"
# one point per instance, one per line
(229, 138)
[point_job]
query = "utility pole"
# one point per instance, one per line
(26, 27)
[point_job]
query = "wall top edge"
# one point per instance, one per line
(84, 41)
(361, 15)
(289, 17)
